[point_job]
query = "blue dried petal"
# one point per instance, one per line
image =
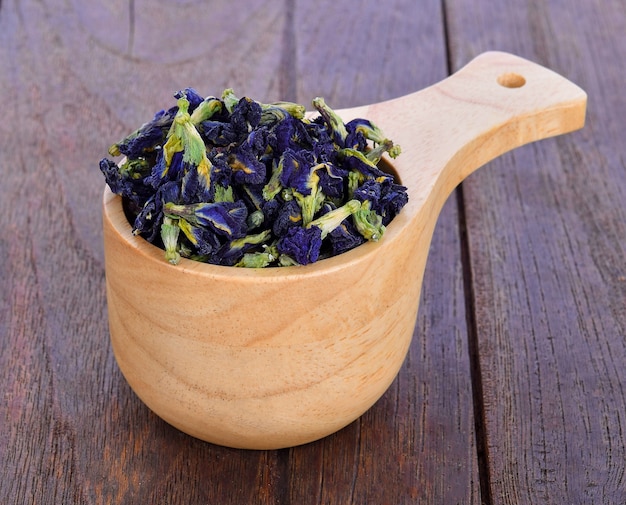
(193, 189)
(370, 190)
(246, 167)
(257, 141)
(393, 198)
(218, 133)
(288, 164)
(192, 97)
(222, 173)
(148, 221)
(224, 218)
(252, 195)
(230, 253)
(298, 170)
(245, 116)
(302, 244)
(204, 240)
(289, 133)
(124, 185)
(302, 136)
(270, 210)
(368, 129)
(325, 152)
(332, 180)
(356, 140)
(288, 216)
(356, 160)
(161, 173)
(344, 237)
(318, 131)
(147, 137)
(386, 198)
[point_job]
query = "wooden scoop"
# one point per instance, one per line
(277, 357)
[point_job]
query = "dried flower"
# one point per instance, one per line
(233, 181)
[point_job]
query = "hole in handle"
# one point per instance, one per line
(511, 80)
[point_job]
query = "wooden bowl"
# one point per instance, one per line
(271, 358)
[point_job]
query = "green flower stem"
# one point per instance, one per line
(369, 223)
(169, 235)
(206, 110)
(329, 221)
(183, 136)
(375, 154)
(331, 118)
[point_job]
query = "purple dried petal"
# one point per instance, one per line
(302, 244)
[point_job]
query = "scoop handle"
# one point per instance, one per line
(497, 102)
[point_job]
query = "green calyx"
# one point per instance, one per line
(329, 221)
(369, 223)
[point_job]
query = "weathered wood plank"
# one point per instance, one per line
(80, 76)
(546, 228)
(72, 431)
(417, 443)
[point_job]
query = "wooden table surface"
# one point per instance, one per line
(514, 388)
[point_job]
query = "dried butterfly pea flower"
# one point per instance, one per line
(184, 137)
(368, 223)
(305, 244)
(151, 134)
(169, 235)
(233, 251)
(288, 216)
(217, 133)
(335, 123)
(344, 237)
(371, 132)
(205, 241)
(309, 195)
(233, 181)
(123, 179)
(358, 161)
(280, 110)
(245, 165)
(275, 185)
(260, 259)
(206, 110)
(224, 218)
(393, 197)
(302, 244)
(146, 137)
(333, 218)
(332, 180)
(148, 221)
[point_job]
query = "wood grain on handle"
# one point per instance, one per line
(496, 103)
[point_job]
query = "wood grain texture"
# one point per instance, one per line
(546, 228)
(71, 429)
(84, 74)
(549, 318)
(420, 435)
